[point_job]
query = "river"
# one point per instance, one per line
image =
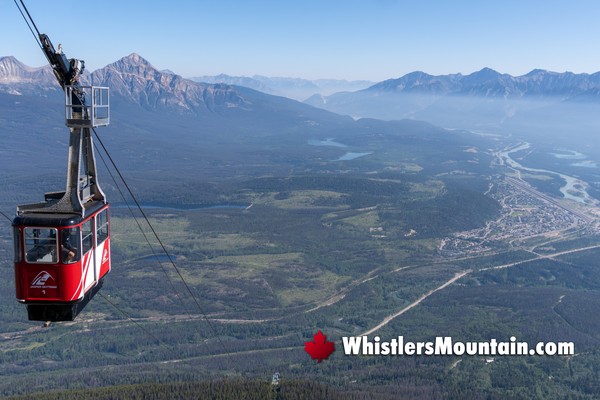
(574, 188)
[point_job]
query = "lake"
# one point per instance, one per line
(351, 156)
(326, 142)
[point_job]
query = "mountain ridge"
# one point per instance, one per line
(485, 82)
(479, 81)
(295, 88)
(136, 78)
(14, 71)
(132, 77)
(483, 100)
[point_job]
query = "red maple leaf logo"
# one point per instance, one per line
(319, 348)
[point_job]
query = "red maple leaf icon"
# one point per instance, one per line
(319, 348)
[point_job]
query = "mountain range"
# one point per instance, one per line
(132, 78)
(416, 95)
(12, 71)
(294, 88)
(483, 100)
(539, 103)
(134, 81)
(485, 83)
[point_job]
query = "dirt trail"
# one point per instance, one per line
(391, 317)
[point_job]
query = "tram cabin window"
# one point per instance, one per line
(40, 245)
(70, 246)
(102, 226)
(17, 242)
(87, 236)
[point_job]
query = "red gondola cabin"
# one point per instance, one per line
(60, 261)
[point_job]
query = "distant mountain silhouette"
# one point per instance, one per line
(481, 100)
(294, 88)
(490, 83)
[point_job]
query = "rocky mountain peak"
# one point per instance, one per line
(13, 71)
(135, 78)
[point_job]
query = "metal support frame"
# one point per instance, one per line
(82, 179)
(79, 114)
(82, 185)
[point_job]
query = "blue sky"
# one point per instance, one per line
(350, 39)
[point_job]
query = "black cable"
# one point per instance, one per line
(6, 216)
(37, 40)
(146, 331)
(144, 234)
(160, 242)
(140, 227)
(148, 242)
(29, 15)
(130, 319)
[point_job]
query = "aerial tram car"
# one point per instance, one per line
(62, 244)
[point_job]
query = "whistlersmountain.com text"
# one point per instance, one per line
(445, 345)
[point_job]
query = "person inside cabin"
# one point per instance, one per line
(68, 249)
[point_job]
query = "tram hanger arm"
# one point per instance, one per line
(67, 71)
